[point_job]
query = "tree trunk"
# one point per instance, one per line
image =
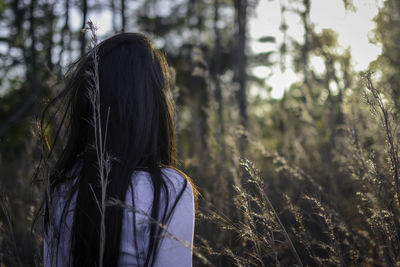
(241, 59)
(241, 18)
(32, 59)
(49, 40)
(215, 75)
(114, 15)
(217, 67)
(123, 16)
(84, 17)
(64, 45)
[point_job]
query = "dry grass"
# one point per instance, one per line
(279, 213)
(310, 227)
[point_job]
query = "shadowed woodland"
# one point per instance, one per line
(309, 179)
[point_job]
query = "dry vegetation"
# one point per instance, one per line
(310, 199)
(305, 224)
(285, 216)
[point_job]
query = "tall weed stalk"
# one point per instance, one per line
(103, 158)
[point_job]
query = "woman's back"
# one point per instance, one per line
(175, 243)
(117, 117)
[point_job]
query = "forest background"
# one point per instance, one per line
(309, 178)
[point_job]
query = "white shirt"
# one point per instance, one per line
(175, 247)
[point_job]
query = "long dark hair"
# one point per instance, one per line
(134, 85)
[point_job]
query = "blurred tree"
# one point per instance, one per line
(241, 22)
(207, 44)
(387, 34)
(20, 82)
(309, 119)
(84, 10)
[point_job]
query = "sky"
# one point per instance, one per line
(353, 29)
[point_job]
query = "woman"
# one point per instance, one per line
(145, 190)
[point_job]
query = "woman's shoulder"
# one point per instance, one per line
(174, 179)
(177, 187)
(180, 183)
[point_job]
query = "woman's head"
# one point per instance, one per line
(135, 97)
(136, 115)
